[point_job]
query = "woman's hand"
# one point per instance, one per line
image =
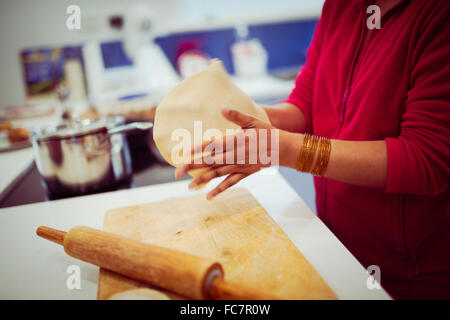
(237, 156)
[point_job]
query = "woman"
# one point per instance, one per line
(381, 97)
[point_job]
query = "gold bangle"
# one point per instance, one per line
(323, 157)
(319, 160)
(302, 153)
(307, 153)
(311, 154)
(326, 158)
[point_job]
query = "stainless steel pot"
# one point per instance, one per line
(85, 156)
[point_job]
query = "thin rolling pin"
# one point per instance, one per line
(182, 273)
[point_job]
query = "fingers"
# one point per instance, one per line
(201, 147)
(212, 144)
(208, 161)
(241, 119)
(212, 173)
(229, 149)
(237, 150)
(219, 171)
(217, 152)
(229, 181)
(219, 144)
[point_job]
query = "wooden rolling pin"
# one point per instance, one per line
(179, 272)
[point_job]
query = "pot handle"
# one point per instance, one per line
(131, 126)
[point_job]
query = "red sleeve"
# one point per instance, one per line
(418, 160)
(302, 94)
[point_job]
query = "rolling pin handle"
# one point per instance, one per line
(51, 234)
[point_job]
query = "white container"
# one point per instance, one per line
(249, 58)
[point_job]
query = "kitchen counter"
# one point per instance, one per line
(33, 268)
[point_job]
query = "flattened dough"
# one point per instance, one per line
(139, 294)
(200, 97)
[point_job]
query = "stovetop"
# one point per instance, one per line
(28, 189)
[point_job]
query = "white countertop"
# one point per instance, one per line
(33, 268)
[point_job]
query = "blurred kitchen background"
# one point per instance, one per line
(122, 60)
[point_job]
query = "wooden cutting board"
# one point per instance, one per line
(233, 229)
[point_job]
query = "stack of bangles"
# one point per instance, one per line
(308, 153)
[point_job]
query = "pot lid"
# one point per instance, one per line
(77, 128)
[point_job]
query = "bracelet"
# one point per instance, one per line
(319, 161)
(323, 157)
(308, 152)
(302, 154)
(311, 152)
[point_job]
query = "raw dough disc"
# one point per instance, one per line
(200, 97)
(139, 294)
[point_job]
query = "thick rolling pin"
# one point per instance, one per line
(179, 272)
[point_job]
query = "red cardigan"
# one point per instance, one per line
(396, 88)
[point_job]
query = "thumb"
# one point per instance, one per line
(241, 119)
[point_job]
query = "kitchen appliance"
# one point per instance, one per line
(179, 272)
(84, 156)
(232, 229)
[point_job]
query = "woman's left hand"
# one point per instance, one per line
(237, 156)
